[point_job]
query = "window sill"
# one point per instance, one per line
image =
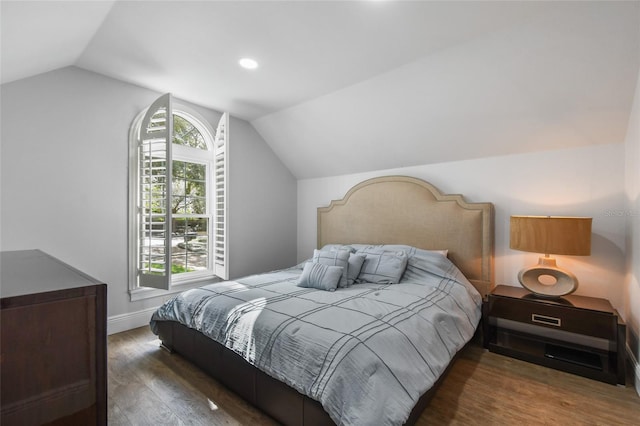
(142, 293)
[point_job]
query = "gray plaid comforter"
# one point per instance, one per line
(367, 352)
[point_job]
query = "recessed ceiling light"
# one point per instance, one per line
(248, 63)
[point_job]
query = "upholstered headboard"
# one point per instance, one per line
(406, 210)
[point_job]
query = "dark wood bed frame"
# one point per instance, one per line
(385, 210)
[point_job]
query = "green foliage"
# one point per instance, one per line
(189, 188)
(185, 133)
(178, 269)
(175, 269)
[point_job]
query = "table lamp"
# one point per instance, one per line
(550, 235)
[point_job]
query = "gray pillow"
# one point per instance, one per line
(355, 265)
(334, 258)
(322, 277)
(382, 266)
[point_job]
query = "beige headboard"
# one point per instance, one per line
(406, 210)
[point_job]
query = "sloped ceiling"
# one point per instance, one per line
(345, 87)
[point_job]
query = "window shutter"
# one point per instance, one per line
(221, 195)
(154, 214)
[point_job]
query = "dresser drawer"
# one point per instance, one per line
(596, 324)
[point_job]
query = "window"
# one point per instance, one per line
(178, 181)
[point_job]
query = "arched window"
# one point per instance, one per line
(178, 176)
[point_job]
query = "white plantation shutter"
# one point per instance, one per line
(221, 218)
(154, 206)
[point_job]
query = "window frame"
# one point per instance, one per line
(182, 281)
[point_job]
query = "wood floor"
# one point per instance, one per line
(149, 386)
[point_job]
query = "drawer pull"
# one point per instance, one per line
(542, 319)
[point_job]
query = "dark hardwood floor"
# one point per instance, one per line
(149, 386)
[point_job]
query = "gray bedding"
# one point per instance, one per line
(366, 353)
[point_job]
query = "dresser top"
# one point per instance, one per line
(33, 271)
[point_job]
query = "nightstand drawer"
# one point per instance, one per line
(596, 324)
(554, 333)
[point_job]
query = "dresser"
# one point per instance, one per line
(53, 342)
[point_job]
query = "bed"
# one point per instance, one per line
(369, 348)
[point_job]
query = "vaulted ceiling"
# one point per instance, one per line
(351, 86)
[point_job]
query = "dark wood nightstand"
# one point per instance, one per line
(577, 334)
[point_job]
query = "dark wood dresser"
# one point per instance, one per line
(53, 342)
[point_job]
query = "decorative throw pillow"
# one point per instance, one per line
(355, 265)
(334, 258)
(322, 277)
(382, 266)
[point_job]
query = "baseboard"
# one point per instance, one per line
(124, 322)
(636, 369)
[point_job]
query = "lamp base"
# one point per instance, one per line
(557, 282)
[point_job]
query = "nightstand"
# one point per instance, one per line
(576, 334)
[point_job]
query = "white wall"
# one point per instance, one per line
(262, 200)
(64, 180)
(632, 215)
(585, 181)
